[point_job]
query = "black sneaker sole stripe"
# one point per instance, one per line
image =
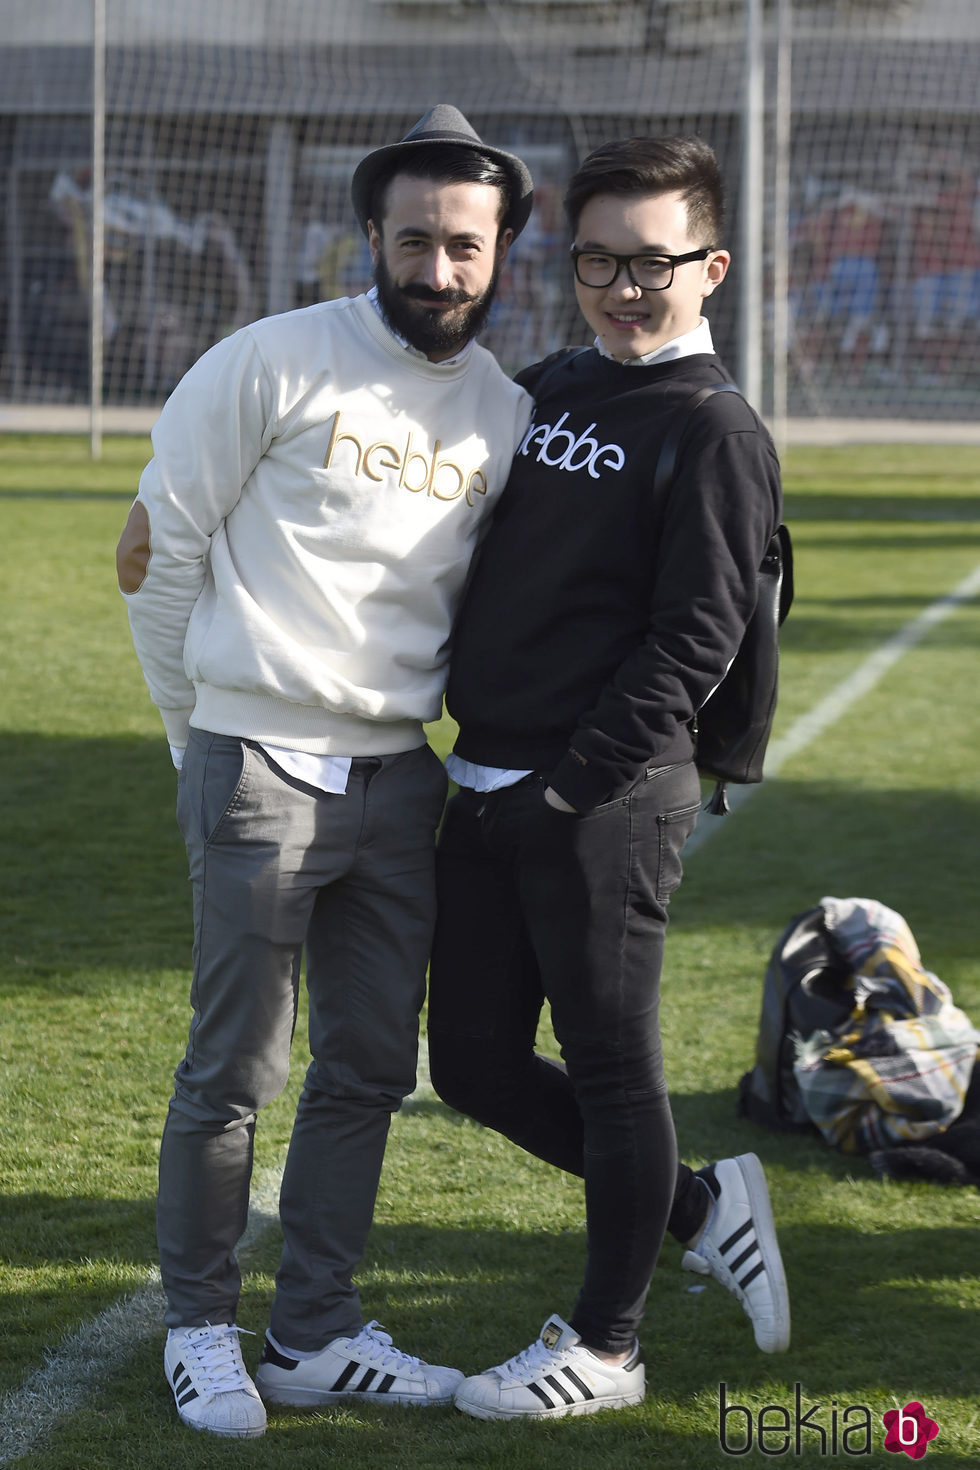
(539, 1392)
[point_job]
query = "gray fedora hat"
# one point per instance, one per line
(441, 124)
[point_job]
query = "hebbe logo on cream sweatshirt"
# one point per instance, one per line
(315, 498)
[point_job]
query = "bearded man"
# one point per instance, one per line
(292, 566)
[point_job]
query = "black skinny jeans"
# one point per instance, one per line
(537, 904)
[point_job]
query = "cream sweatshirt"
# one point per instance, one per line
(314, 500)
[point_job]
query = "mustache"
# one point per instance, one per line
(451, 296)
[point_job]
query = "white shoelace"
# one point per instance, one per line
(219, 1357)
(376, 1345)
(530, 1363)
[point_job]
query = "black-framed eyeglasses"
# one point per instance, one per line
(599, 268)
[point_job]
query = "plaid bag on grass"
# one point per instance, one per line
(898, 1070)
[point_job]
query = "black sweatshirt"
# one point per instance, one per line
(599, 616)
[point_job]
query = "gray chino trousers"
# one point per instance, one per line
(277, 866)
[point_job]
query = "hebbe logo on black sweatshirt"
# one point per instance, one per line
(571, 453)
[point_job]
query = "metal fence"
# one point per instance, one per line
(171, 172)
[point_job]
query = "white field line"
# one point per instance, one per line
(96, 1349)
(91, 1354)
(810, 726)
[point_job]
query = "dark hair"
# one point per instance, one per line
(443, 163)
(641, 166)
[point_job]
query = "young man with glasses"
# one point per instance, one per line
(600, 617)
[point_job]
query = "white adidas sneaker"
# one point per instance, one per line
(739, 1248)
(367, 1366)
(555, 1376)
(210, 1385)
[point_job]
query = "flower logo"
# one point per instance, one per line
(909, 1430)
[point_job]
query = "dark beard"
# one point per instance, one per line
(406, 312)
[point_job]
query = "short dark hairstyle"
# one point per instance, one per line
(443, 163)
(636, 167)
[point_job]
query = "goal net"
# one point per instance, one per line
(231, 128)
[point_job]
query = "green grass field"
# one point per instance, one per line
(475, 1244)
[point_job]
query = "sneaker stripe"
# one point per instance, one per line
(184, 1391)
(753, 1250)
(346, 1376)
(539, 1392)
(385, 1383)
(583, 1388)
(559, 1388)
(735, 1237)
(757, 1270)
(370, 1374)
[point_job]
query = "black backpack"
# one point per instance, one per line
(805, 990)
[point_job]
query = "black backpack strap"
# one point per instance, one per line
(560, 358)
(783, 550)
(667, 459)
(780, 547)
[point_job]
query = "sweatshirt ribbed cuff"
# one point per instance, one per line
(177, 723)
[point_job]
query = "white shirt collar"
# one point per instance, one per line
(686, 345)
(374, 299)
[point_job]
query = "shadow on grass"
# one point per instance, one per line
(802, 508)
(92, 867)
(858, 625)
(94, 893)
(93, 871)
(867, 1320)
(51, 1230)
(864, 1306)
(796, 842)
(954, 538)
(835, 632)
(872, 1309)
(865, 1328)
(124, 497)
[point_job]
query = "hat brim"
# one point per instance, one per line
(371, 168)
